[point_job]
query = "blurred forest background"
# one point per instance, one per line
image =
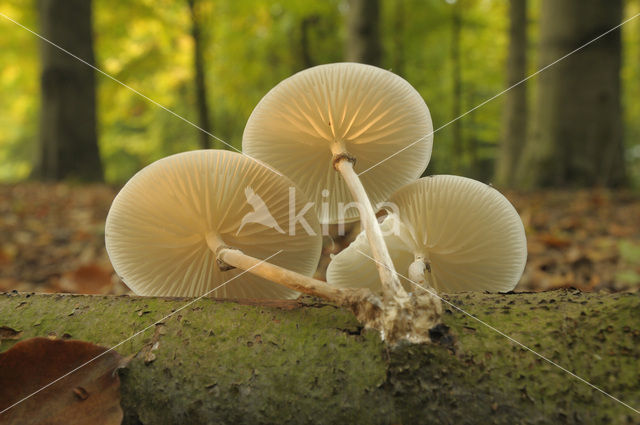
(574, 128)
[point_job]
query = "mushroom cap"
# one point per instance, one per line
(157, 226)
(470, 234)
(373, 113)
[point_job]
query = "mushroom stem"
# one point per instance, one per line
(391, 287)
(407, 318)
(417, 273)
(366, 306)
(282, 276)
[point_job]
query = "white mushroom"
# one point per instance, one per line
(187, 224)
(460, 233)
(342, 116)
(172, 221)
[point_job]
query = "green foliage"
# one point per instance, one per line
(426, 37)
(19, 92)
(631, 90)
(251, 46)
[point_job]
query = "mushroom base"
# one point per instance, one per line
(408, 319)
(405, 317)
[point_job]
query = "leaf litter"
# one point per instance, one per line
(52, 239)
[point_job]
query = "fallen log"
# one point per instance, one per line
(308, 362)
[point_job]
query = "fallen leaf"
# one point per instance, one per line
(621, 231)
(89, 395)
(554, 241)
(88, 279)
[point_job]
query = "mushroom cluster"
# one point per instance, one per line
(354, 139)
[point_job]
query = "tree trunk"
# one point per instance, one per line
(309, 362)
(456, 105)
(305, 46)
(68, 140)
(363, 28)
(577, 126)
(398, 37)
(200, 80)
(474, 170)
(514, 115)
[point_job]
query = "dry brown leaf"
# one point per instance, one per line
(621, 231)
(553, 241)
(88, 279)
(89, 395)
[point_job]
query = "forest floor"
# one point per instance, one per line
(52, 239)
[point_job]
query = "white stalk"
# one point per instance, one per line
(420, 273)
(391, 287)
(277, 274)
(416, 272)
(406, 318)
(292, 280)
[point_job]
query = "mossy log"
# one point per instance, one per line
(309, 362)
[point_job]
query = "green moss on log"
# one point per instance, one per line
(308, 362)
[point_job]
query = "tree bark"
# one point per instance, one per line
(200, 77)
(363, 28)
(577, 125)
(68, 144)
(514, 115)
(308, 362)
